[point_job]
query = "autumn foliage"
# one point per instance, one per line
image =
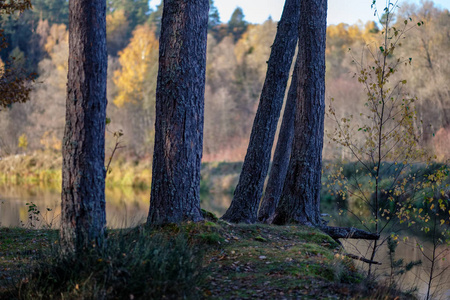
(14, 81)
(236, 66)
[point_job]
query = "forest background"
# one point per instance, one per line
(236, 65)
(31, 133)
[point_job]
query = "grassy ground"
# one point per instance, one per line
(19, 248)
(236, 262)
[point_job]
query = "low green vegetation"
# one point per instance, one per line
(207, 260)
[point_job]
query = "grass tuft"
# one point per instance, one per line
(133, 265)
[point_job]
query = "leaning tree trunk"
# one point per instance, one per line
(83, 174)
(300, 198)
(281, 157)
(244, 207)
(175, 194)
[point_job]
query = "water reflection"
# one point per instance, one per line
(125, 206)
(408, 251)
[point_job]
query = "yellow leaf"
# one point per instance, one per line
(137, 60)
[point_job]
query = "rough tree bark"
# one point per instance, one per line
(244, 206)
(299, 202)
(280, 157)
(175, 194)
(279, 169)
(83, 173)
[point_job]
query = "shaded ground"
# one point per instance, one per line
(20, 247)
(241, 262)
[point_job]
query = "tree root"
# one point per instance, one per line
(349, 233)
(352, 256)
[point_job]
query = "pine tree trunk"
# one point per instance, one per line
(280, 157)
(175, 195)
(83, 174)
(300, 199)
(244, 206)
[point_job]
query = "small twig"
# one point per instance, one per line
(116, 146)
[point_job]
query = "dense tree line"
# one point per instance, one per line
(235, 70)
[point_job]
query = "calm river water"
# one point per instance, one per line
(126, 207)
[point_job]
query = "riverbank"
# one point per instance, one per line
(225, 262)
(44, 168)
